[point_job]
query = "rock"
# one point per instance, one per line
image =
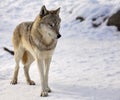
(95, 25)
(94, 19)
(114, 20)
(80, 18)
(96, 22)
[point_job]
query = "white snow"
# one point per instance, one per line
(86, 62)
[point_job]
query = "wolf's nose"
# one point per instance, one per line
(58, 36)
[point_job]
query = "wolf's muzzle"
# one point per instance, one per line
(58, 36)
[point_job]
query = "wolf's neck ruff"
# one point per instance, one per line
(37, 39)
(41, 45)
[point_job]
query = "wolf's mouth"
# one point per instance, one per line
(56, 37)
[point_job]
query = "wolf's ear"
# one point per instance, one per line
(43, 11)
(58, 11)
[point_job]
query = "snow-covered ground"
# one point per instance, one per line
(86, 62)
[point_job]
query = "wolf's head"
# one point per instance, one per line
(50, 22)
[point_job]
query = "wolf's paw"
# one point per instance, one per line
(31, 82)
(13, 82)
(48, 89)
(44, 94)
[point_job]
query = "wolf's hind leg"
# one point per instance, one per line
(27, 61)
(18, 56)
(26, 72)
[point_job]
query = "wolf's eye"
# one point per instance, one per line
(51, 25)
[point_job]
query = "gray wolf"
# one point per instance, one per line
(36, 41)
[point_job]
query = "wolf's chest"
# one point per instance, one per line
(43, 54)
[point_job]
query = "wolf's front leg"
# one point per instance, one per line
(40, 64)
(47, 66)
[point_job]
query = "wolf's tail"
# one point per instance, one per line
(10, 51)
